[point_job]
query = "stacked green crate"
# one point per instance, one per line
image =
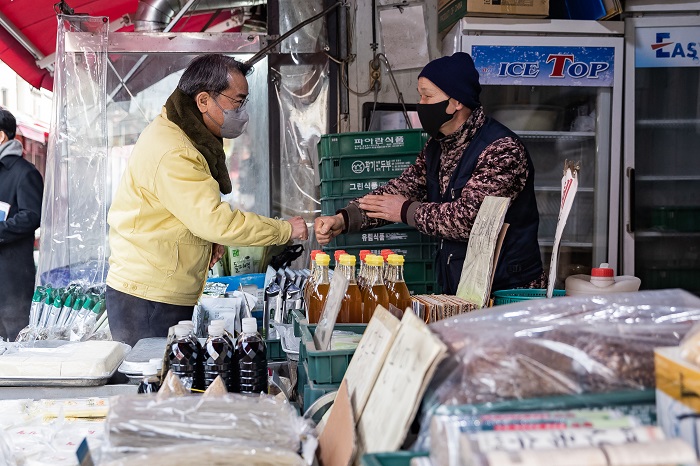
(353, 164)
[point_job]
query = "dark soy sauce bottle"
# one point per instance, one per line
(251, 355)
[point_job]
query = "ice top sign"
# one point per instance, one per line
(544, 65)
(668, 47)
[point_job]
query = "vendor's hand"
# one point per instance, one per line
(299, 229)
(328, 227)
(217, 252)
(384, 206)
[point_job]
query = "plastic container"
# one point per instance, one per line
(403, 141)
(412, 252)
(601, 280)
(218, 358)
(394, 458)
(522, 294)
(397, 234)
(251, 356)
(329, 366)
(349, 187)
(312, 391)
(150, 382)
(183, 357)
(274, 350)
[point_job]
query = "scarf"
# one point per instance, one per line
(183, 111)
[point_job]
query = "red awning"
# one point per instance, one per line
(36, 19)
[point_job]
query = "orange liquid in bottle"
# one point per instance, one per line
(399, 295)
(377, 294)
(351, 309)
(318, 299)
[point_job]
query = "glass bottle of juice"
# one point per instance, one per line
(385, 255)
(351, 307)
(399, 295)
(320, 290)
(361, 275)
(336, 256)
(309, 283)
(376, 292)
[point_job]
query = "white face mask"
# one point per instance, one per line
(235, 121)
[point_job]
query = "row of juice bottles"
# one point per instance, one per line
(379, 282)
(240, 360)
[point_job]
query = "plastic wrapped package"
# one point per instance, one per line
(563, 346)
(215, 454)
(7, 457)
(690, 346)
(139, 423)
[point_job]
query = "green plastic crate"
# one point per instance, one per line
(423, 288)
(522, 294)
(395, 458)
(275, 351)
(411, 252)
(392, 142)
(365, 166)
(383, 238)
(639, 403)
(312, 391)
(326, 367)
(419, 271)
(351, 186)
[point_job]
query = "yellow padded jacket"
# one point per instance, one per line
(165, 216)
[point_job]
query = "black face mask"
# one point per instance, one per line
(433, 116)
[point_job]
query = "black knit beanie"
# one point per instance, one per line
(457, 77)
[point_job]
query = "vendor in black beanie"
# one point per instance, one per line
(468, 157)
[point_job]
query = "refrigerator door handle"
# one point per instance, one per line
(632, 221)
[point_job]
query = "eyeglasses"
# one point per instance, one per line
(240, 102)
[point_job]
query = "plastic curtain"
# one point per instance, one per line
(74, 215)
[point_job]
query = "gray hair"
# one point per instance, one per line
(209, 73)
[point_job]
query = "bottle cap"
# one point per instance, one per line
(157, 362)
(186, 322)
(395, 259)
(313, 254)
(338, 253)
(150, 369)
(375, 260)
(323, 259)
(604, 271)
(347, 259)
(216, 330)
(364, 253)
(250, 324)
(221, 322)
(386, 253)
(181, 331)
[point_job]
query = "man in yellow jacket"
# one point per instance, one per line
(167, 220)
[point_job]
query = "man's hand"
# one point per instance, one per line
(217, 252)
(327, 228)
(299, 228)
(384, 206)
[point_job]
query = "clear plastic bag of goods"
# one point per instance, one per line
(7, 457)
(690, 346)
(211, 454)
(139, 423)
(563, 346)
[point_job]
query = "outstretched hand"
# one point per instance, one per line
(328, 227)
(384, 206)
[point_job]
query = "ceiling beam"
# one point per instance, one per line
(23, 40)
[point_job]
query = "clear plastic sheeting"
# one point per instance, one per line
(312, 37)
(74, 221)
(302, 93)
(139, 423)
(560, 346)
(212, 455)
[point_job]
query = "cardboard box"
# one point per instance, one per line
(677, 396)
(450, 11)
(677, 377)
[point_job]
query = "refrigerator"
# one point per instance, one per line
(661, 206)
(558, 85)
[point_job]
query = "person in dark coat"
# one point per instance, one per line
(21, 190)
